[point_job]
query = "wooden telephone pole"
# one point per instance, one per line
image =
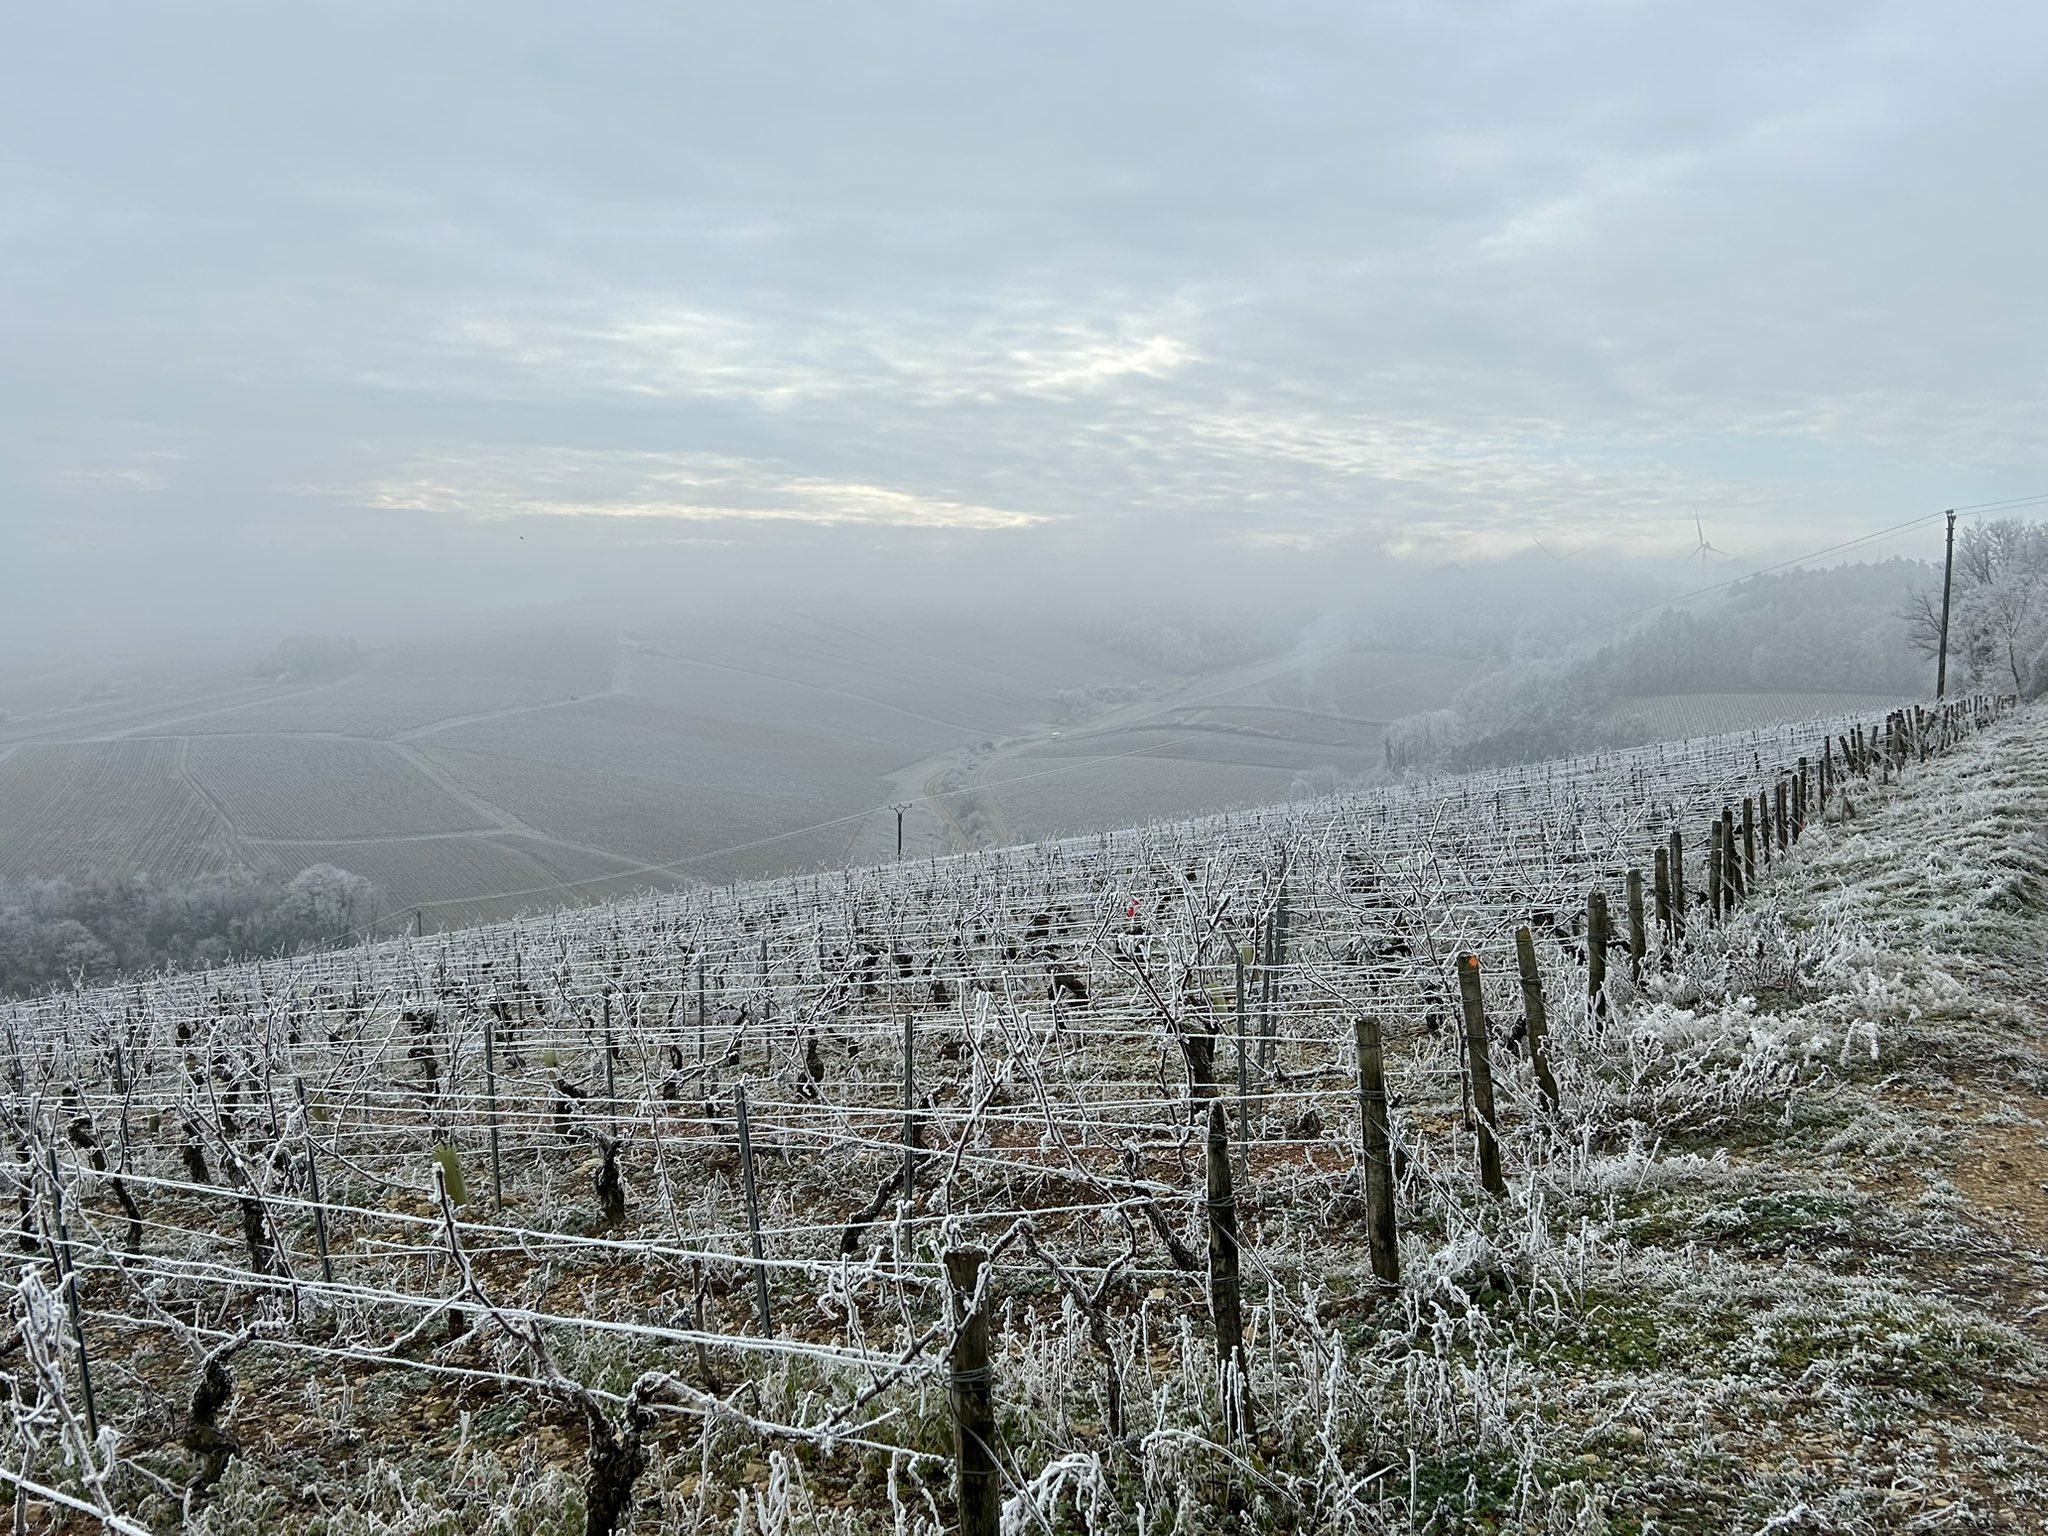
(1948, 575)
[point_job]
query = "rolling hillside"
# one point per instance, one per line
(553, 761)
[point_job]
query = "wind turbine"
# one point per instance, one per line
(1703, 549)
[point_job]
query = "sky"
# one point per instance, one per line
(315, 308)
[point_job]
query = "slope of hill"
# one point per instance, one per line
(555, 760)
(620, 1217)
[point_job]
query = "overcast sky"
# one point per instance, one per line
(506, 302)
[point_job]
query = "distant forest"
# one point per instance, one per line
(1840, 629)
(100, 927)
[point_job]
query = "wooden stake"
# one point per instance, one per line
(611, 1090)
(313, 1187)
(1664, 897)
(971, 1390)
(1225, 1296)
(1538, 1015)
(761, 1306)
(1376, 1143)
(67, 1280)
(1244, 1146)
(1714, 873)
(1599, 935)
(1677, 888)
(1638, 935)
(491, 1110)
(1480, 1067)
(913, 1134)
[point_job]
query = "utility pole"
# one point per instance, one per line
(901, 808)
(1948, 576)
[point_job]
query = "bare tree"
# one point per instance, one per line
(1998, 626)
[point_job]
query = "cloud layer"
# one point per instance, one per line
(320, 300)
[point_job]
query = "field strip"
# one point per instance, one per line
(36, 731)
(380, 840)
(1209, 690)
(497, 714)
(837, 693)
(506, 821)
(206, 714)
(510, 823)
(235, 838)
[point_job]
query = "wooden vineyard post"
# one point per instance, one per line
(1225, 1294)
(1783, 812)
(1638, 932)
(1731, 863)
(761, 1306)
(1244, 1145)
(1663, 882)
(313, 1186)
(1677, 888)
(971, 1390)
(767, 1009)
(1714, 874)
(1537, 1013)
(1276, 956)
(1376, 1142)
(1263, 956)
(1599, 936)
(67, 1280)
(1748, 843)
(1481, 1070)
(491, 1110)
(611, 1087)
(700, 1007)
(913, 1135)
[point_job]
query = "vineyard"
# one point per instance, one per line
(1670, 716)
(1198, 1175)
(317, 788)
(115, 804)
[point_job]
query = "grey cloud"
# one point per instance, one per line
(324, 299)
